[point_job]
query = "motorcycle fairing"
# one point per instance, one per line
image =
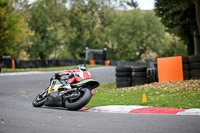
(55, 84)
(88, 83)
(53, 100)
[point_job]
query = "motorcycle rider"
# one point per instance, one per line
(77, 75)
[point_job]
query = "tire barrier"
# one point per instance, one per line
(123, 75)
(147, 74)
(152, 75)
(186, 67)
(6, 63)
(135, 75)
(194, 63)
(39, 63)
(138, 76)
(131, 63)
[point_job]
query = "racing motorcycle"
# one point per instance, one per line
(58, 96)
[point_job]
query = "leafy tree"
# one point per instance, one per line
(179, 17)
(23, 8)
(134, 34)
(89, 19)
(11, 29)
(197, 8)
(197, 38)
(51, 26)
(173, 47)
(133, 4)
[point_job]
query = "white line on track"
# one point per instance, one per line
(22, 73)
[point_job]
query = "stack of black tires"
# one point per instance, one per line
(194, 61)
(123, 75)
(186, 67)
(152, 75)
(138, 76)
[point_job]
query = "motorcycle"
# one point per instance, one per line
(58, 96)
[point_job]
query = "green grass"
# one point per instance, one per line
(7, 70)
(183, 94)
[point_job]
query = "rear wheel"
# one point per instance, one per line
(39, 100)
(80, 101)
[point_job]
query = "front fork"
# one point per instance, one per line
(43, 94)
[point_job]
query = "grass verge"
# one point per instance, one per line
(7, 70)
(182, 94)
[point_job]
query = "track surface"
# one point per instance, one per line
(17, 115)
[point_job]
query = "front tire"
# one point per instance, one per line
(80, 102)
(39, 101)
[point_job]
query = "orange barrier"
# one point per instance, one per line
(13, 64)
(170, 69)
(107, 62)
(92, 62)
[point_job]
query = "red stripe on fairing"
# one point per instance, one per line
(157, 110)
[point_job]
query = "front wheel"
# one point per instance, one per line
(39, 100)
(80, 102)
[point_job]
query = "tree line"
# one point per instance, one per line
(61, 29)
(182, 18)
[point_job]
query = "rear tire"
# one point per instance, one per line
(81, 102)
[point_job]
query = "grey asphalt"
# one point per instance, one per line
(17, 115)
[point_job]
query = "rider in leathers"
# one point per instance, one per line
(77, 75)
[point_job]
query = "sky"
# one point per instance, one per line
(143, 4)
(146, 4)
